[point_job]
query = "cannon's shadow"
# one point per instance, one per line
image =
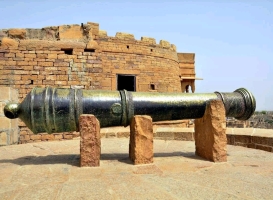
(74, 159)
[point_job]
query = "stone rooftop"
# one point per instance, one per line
(50, 170)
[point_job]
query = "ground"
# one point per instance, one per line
(50, 170)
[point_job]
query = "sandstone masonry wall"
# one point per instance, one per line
(9, 132)
(82, 56)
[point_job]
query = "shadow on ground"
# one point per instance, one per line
(73, 159)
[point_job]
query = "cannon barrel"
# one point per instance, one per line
(54, 110)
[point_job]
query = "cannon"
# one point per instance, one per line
(55, 110)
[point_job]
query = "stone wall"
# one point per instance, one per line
(82, 56)
(9, 132)
(187, 69)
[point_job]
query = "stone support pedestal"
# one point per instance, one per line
(210, 133)
(90, 143)
(141, 140)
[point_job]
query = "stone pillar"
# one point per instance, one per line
(9, 130)
(210, 133)
(141, 140)
(90, 143)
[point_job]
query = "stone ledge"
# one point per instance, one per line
(40, 44)
(261, 139)
(247, 137)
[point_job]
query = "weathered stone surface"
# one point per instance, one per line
(3, 138)
(148, 39)
(8, 42)
(50, 33)
(92, 44)
(121, 35)
(28, 170)
(173, 47)
(32, 33)
(3, 33)
(164, 44)
(68, 32)
(90, 143)
(102, 33)
(17, 33)
(47, 137)
(5, 123)
(40, 44)
(141, 140)
(210, 133)
(94, 28)
(186, 57)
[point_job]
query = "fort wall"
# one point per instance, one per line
(82, 56)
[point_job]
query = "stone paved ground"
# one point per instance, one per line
(49, 170)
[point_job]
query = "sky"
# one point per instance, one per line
(232, 39)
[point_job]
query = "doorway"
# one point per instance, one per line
(126, 82)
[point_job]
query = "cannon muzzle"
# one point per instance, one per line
(54, 110)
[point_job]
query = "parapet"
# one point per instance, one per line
(74, 33)
(120, 37)
(148, 40)
(126, 36)
(186, 57)
(102, 33)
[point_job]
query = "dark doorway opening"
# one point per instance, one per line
(126, 82)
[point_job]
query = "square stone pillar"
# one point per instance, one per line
(141, 140)
(9, 130)
(210, 133)
(90, 141)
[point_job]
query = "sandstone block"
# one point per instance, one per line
(141, 140)
(102, 33)
(93, 29)
(3, 34)
(164, 44)
(210, 133)
(5, 123)
(68, 136)
(17, 33)
(264, 147)
(68, 32)
(186, 57)
(5, 93)
(173, 47)
(41, 44)
(123, 134)
(2, 105)
(34, 136)
(92, 44)
(3, 138)
(49, 33)
(121, 35)
(148, 40)
(90, 143)
(8, 43)
(33, 33)
(58, 136)
(47, 137)
(185, 136)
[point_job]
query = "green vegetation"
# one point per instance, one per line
(270, 121)
(263, 112)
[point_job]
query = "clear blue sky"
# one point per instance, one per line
(233, 40)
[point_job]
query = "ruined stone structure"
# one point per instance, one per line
(82, 56)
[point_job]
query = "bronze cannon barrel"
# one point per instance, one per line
(54, 110)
